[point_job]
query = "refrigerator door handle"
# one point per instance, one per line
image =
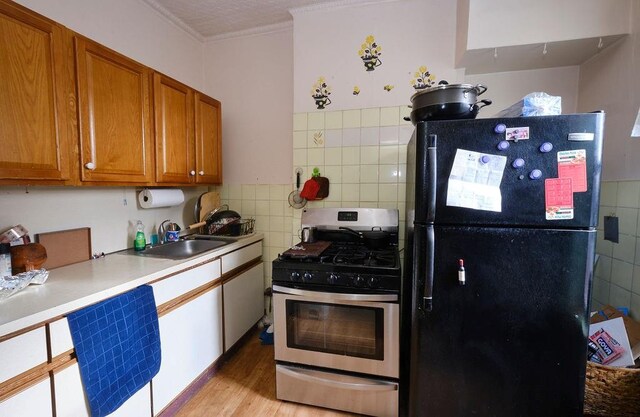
(427, 297)
(432, 151)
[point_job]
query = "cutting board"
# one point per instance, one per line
(307, 250)
(65, 247)
(208, 201)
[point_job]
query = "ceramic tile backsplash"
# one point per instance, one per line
(617, 273)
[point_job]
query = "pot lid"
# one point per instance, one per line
(478, 88)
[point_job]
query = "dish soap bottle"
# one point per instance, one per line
(140, 241)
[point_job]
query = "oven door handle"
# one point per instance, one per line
(336, 296)
(316, 378)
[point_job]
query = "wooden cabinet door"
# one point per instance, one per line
(115, 120)
(174, 128)
(36, 81)
(208, 140)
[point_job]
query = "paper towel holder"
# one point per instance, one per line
(161, 197)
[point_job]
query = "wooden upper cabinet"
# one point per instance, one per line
(116, 141)
(36, 99)
(174, 127)
(208, 140)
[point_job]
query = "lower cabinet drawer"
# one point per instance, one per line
(23, 352)
(341, 392)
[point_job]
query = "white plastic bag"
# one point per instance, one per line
(534, 104)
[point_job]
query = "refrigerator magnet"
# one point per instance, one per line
(558, 198)
(573, 164)
(517, 133)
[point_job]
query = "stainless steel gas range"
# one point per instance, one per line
(336, 313)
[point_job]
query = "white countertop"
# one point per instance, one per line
(72, 287)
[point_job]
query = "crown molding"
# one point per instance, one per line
(174, 19)
(338, 4)
(261, 30)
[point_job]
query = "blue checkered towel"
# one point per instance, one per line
(117, 343)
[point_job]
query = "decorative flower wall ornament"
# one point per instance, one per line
(423, 79)
(320, 93)
(356, 90)
(388, 87)
(370, 53)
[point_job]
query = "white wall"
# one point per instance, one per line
(411, 32)
(253, 77)
(506, 88)
(609, 81)
(132, 28)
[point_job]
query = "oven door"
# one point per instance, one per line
(348, 332)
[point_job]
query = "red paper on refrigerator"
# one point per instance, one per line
(573, 164)
(558, 198)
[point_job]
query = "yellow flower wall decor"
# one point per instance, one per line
(423, 78)
(356, 90)
(370, 53)
(320, 93)
(388, 87)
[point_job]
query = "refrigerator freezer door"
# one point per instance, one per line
(512, 341)
(527, 197)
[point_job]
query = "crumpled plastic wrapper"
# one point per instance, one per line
(534, 104)
(16, 283)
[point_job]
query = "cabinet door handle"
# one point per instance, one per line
(201, 173)
(90, 165)
(192, 173)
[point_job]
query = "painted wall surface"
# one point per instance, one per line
(609, 81)
(507, 88)
(326, 44)
(252, 76)
(526, 22)
(134, 29)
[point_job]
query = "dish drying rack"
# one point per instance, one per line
(240, 227)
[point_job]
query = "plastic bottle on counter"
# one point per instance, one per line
(140, 241)
(5, 260)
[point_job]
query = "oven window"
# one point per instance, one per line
(335, 328)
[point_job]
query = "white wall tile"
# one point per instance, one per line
(369, 136)
(388, 173)
(300, 139)
(276, 208)
(351, 174)
(351, 155)
(402, 173)
(350, 192)
(601, 290)
(276, 223)
(389, 135)
(622, 274)
(315, 121)
(248, 192)
(404, 134)
(635, 286)
(333, 156)
(315, 138)
(351, 137)
(262, 207)
(300, 121)
(388, 155)
(335, 193)
(369, 155)
(262, 192)
(388, 192)
(389, 116)
(634, 310)
(369, 192)
(370, 117)
(333, 120)
(351, 118)
(405, 111)
(619, 297)
(248, 208)
(235, 192)
(628, 220)
(629, 194)
(332, 138)
(276, 192)
(625, 250)
(603, 247)
(299, 157)
(603, 268)
(333, 172)
(609, 193)
(368, 174)
(315, 157)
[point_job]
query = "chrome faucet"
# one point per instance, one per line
(162, 231)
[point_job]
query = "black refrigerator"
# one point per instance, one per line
(501, 233)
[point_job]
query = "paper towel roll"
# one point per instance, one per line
(160, 198)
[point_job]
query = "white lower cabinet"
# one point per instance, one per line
(191, 340)
(71, 401)
(243, 303)
(33, 401)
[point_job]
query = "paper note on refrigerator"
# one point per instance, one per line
(475, 179)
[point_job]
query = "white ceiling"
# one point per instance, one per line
(213, 18)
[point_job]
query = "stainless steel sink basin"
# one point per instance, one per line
(181, 249)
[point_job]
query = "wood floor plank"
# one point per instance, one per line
(245, 386)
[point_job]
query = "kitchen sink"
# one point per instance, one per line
(180, 249)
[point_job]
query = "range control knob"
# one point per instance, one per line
(546, 147)
(332, 279)
(373, 282)
(295, 276)
(536, 174)
(307, 277)
(358, 281)
(518, 163)
(503, 145)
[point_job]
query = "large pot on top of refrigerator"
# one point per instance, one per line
(447, 101)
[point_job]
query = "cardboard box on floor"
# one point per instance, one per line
(632, 327)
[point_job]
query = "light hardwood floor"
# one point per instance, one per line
(245, 386)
